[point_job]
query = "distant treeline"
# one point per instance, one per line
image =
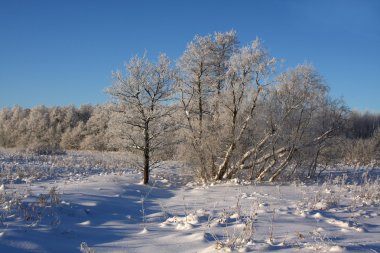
(50, 129)
(41, 128)
(362, 125)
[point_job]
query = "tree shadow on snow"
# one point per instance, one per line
(92, 218)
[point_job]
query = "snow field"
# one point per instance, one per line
(109, 211)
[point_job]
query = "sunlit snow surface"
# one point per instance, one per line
(111, 211)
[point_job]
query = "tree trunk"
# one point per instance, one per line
(282, 166)
(146, 153)
(223, 167)
(313, 165)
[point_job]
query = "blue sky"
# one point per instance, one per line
(63, 52)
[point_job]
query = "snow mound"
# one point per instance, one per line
(318, 216)
(336, 248)
(144, 231)
(182, 223)
(85, 223)
(322, 205)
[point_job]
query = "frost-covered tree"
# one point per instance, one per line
(242, 120)
(143, 101)
(39, 134)
(302, 119)
(219, 88)
(202, 70)
(72, 137)
(16, 126)
(96, 129)
(5, 117)
(249, 71)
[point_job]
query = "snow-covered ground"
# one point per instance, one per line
(99, 210)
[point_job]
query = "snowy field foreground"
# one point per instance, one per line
(47, 207)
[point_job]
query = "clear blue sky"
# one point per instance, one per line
(63, 52)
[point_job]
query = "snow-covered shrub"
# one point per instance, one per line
(84, 248)
(239, 226)
(366, 193)
(33, 210)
